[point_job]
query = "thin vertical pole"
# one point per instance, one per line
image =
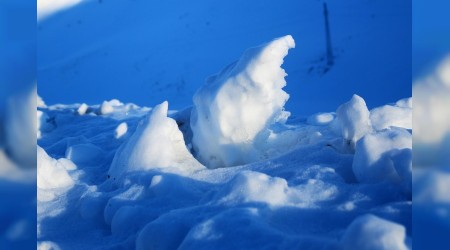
(330, 59)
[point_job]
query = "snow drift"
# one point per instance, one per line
(235, 107)
(156, 143)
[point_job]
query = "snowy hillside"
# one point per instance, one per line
(221, 176)
(164, 50)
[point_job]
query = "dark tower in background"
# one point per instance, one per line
(330, 57)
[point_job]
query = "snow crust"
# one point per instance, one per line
(236, 107)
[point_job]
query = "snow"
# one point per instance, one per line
(384, 156)
(157, 143)
(82, 109)
(353, 119)
(237, 106)
(398, 115)
(369, 232)
(52, 178)
(228, 167)
(121, 130)
(305, 194)
(106, 108)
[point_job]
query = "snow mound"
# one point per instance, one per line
(52, 175)
(369, 232)
(398, 115)
(235, 106)
(249, 186)
(353, 118)
(385, 155)
(156, 143)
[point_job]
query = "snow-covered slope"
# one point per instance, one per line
(164, 50)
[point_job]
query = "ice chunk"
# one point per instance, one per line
(369, 232)
(82, 109)
(384, 155)
(156, 143)
(238, 104)
(353, 117)
(52, 176)
(121, 130)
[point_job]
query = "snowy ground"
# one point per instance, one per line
(306, 197)
(127, 176)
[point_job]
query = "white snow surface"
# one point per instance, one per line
(304, 185)
(234, 110)
(158, 196)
